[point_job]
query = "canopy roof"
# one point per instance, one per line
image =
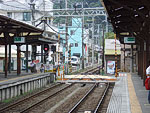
(10, 28)
(129, 17)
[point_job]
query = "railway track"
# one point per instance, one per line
(94, 70)
(92, 100)
(27, 103)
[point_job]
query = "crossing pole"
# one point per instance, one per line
(116, 74)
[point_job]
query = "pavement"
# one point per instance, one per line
(129, 95)
(141, 93)
(13, 77)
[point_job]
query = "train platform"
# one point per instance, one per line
(13, 77)
(129, 95)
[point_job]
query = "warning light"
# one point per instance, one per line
(46, 47)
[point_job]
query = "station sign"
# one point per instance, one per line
(129, 40)
(19, 39)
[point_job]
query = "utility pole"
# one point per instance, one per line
(33, 56)
(103, 49)
(66, 54)
(32, 6)
(93, 40)
(82, 43)
(82, 40)
(42, 46)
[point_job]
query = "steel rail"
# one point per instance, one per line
(88, 71)
(82, 99)
(27, 98)
(43, 100)
(102, 99)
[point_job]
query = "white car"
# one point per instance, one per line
(75, 60)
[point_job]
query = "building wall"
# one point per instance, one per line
(76, 37)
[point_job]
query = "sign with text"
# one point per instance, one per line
(19, 39)
(129, 40)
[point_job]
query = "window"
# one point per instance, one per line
(73, 59)
(71, 44)
(26, 16)
(9, 14)
(72, 32)
(76, 44)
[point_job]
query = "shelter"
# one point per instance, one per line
(131, 18)
(110, 55)
(19, 33)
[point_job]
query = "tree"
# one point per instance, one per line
(109, 35)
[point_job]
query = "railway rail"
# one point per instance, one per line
(80, 98)
(95, 70)
(27, 103)
(92, 100)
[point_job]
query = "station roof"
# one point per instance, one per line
(128, 17)
(9, 28)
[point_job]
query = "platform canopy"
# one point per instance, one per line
(10, 28)
(129, 17)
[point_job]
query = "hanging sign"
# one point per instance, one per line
(19, 39)
(129, 40)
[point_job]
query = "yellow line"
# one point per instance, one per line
(16, 78)
(134, 103)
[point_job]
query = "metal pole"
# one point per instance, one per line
(131, 59)
(124, 57)
(83, 42)
(66, 55)
(103, 49)
(106, 24)
(93, 40)
(116, 64)
(32, 6)
(9, 58)
(6, 60)
(18, 60)
(27, 58)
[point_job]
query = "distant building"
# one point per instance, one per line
(75, 38)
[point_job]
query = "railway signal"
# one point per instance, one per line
(46, 48)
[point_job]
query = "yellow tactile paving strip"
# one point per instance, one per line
(134, 103)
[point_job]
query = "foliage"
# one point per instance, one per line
(109, 35)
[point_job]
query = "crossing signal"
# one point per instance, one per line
(46, 47)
